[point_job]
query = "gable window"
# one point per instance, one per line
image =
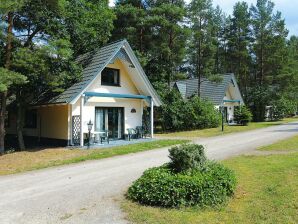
(110, 77)
(31, 119)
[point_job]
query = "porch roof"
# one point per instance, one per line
(232, 101)
(114, 95)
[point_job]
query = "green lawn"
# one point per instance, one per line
(38, 159)
(227, 129)
(267, 193)
(284, 145)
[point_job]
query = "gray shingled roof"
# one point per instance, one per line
(212, 91)
(93, 63)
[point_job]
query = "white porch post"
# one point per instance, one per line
(151, 117)
(81, 120)
(70, 124)
(142, 109)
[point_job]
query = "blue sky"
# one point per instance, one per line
(287, 7)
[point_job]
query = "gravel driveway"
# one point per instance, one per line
(89, 192)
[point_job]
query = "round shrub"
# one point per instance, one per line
(162, 187)
(188, 180)
(187, 157)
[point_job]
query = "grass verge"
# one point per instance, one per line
(267, 192)
(32, 160)
(227, 129)
(289, 144)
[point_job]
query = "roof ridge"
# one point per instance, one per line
(99, 48)
(184, 80)
(114, 42)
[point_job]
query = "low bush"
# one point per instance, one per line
(281, 108)
(242, 115)
(199, 182)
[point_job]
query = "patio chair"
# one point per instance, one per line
(140, 132)
(131, 133)
(104, 137)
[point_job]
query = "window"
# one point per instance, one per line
(31, 119)
(110, 77)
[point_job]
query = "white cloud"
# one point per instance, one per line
(111, 3)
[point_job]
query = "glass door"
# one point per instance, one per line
(111, 119)
(100, 119)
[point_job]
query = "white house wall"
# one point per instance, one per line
(131, 120)
(231, 94)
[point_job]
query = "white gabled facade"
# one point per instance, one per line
(127, 86)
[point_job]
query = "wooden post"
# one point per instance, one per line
(81, 120)
(151, 117)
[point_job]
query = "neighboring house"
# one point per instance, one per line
(113, 94)
(223, 94)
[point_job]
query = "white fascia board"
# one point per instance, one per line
(151, 90)
(237, 87)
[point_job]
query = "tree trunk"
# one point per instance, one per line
(2, 121)
(20, 122)
(4, 94)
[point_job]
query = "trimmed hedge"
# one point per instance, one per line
(188, 180)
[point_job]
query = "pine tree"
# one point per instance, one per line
(132, 24)
(238, 41)
(220, 23)
(8, 77)
(202, 47)
(269, 49)
(168, 39)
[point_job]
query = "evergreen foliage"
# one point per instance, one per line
(187, 157)
(242, 115)
(179, 114)
(282, 108)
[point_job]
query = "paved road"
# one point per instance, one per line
(88, 192)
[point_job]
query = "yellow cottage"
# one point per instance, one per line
(113, 95)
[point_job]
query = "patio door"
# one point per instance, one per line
(111, 119)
